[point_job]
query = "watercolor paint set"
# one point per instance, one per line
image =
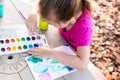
(49, 69)
(21, 44)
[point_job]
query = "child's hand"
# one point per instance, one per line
(31, 23)
(40, 52)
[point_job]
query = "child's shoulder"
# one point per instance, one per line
(85, 20)
(85, 14)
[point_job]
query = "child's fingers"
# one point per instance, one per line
(34, 28)
(34, 54)
(36, 50)
(28, 24)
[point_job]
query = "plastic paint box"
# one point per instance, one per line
(21, 44)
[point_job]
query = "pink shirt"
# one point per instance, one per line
(81, 33)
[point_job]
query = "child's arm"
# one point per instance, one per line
(31, 21)
(78, 62)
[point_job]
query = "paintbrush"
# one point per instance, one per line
(23, 18)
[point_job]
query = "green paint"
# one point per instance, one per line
(24, 47)
(23, 39)
(35, 58)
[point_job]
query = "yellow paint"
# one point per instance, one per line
(18, 39)
(14, 48)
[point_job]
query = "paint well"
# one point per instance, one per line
(28, 38)
(3, 49)
(12, 40)
(38, 37)
(24, 47)
(8, 49)
(22, 39)
(19, 48)
(7, 41)
(33, 38)
(1, 42)
(14, 48)
(30, 46)
(18, 39)
(36, 45)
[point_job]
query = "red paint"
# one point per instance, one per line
(8, 49)
(7, 41)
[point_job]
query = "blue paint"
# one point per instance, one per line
(45, 70)
(58, 68)
(28, 38)
(34, 59)
(30, 46)
(69, 68)
(36, 45)
(47, 58)
(40, 68)
(54, 62)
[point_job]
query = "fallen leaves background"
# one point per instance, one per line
(105, 50)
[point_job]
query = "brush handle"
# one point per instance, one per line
(22, 16)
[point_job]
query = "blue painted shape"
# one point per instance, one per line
(34, 59)
(58, 68)
(40, 68)
(47, 58)
(54, 62)
(69, 68)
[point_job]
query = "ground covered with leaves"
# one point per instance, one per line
(105, 50)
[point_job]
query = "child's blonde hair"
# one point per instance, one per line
(63, 10)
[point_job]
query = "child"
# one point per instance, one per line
(73, 19)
